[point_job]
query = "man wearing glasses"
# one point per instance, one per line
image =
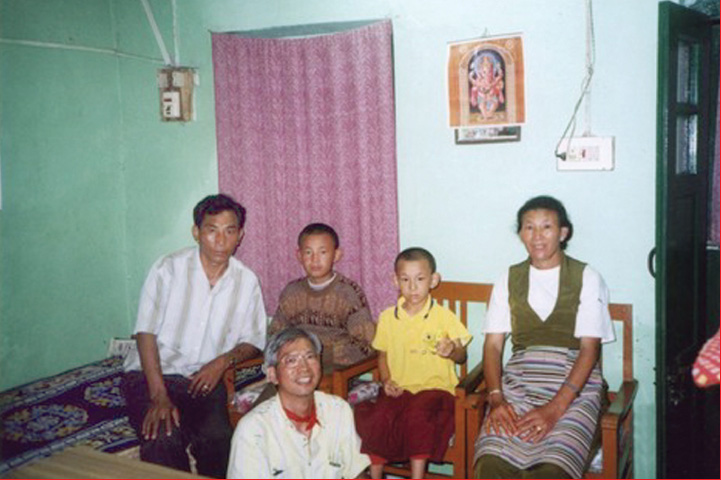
(300, 432)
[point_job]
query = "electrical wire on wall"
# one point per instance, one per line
(585, 87)
(176, 35)
(166, 60)
(81, 48)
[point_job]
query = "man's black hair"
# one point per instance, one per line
(215, 204)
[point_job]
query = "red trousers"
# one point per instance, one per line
(398, 428)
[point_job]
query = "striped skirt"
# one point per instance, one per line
(530, 380)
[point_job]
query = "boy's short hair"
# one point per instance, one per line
(215, 204)
(317, 229)
(413, 254)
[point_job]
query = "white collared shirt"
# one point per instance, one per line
(266, 444)
(592, 319)
(193, 322)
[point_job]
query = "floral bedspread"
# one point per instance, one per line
(83, 406)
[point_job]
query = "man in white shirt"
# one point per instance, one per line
(300, 432)
(201, 311)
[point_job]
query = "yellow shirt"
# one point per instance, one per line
(409, 343)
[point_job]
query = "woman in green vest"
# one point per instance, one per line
(544, 404)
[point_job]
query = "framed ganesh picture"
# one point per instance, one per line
(486, 83)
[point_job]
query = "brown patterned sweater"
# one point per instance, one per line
(338, 314)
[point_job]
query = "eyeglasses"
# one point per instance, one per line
(293, 360)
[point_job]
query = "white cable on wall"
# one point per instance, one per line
(176, 36)
(590, 62)
(156, 32)
(585, 85)
(82, 48)
(109, 51)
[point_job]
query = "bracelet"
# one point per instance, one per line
(572, 387)
(495, 390)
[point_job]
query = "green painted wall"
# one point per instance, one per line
(95, 187)
(63, 221)
(168, 166)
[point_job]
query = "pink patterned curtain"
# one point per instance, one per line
(306, 133)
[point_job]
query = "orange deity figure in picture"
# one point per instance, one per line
(487, 85)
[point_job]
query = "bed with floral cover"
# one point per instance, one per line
(82, 406)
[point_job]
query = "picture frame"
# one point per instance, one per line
(476, 135)
(486, 82)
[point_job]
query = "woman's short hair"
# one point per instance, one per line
(287, 335)
(546, 202)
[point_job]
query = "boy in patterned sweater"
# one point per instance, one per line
(325, 302)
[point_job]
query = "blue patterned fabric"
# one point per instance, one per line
(83, 406)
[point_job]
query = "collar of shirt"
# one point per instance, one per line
(319, 287)
(280, 410)
(401, 314)
(201, 271)
(311, 419)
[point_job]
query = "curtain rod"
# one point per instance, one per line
(304, 30)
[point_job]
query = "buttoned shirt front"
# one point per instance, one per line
(193, 322)
(266, 444)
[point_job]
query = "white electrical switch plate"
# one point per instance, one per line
(586, 153)
(171, 104)
(162, 80)
(178, 79)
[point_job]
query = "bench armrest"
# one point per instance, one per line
(621, 405)
(471, 382)
(342, 374)
(229, 374)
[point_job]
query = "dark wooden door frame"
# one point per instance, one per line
(681, 246)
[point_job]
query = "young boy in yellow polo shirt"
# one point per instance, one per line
(418, 343)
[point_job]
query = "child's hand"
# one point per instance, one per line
(392, 389)
(444, 347)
